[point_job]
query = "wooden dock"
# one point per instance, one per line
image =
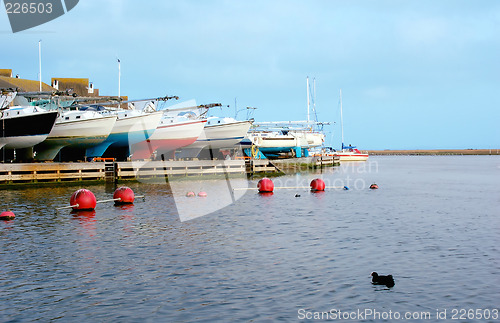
(152, 169)
(306, 163)
(113, 171)
(254, 166)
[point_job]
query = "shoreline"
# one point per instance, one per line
(430, 152)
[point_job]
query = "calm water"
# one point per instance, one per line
(434, 224)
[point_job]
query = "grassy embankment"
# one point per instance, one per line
(436, 152)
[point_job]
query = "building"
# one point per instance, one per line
(19, 84)
(80, 86)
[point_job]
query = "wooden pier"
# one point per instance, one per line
(152, 169)
(113, 171)
(306, 163)
(260, 166)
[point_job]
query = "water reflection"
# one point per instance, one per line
(87, 222)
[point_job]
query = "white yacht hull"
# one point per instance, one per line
(127, 131)
(83, 133)
(217, 136)
(351, 156)
(167, 138)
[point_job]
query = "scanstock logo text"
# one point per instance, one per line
(28, 14)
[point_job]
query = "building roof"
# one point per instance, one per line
(23, 85)
(6, 72)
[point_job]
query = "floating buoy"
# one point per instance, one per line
(317, 185)
(373, 186)
(202, 194)
(7, 215)
(124, 194)
(190, 194)
(82, 200)
(265, 185)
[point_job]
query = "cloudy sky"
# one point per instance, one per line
(414, 74)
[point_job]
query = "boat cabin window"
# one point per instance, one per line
(78, 117)
(67, 118)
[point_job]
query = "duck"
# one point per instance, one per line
(382, 280)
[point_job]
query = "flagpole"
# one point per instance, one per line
(119, 77)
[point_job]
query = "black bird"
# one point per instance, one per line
(382, 280)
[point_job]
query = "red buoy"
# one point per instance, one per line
(317, 185)
(190, 194)
(265, 185)
(7, 215)
(374, 186)
(125, 194)
(83, 200)
(202, 194)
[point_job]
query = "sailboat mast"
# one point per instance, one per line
(40, 63)
(308, 100)
(341, 120)
(314, 100)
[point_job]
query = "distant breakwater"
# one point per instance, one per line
(430, 152)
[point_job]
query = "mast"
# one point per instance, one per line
(341, 120)
(40, 63)
(314, 99)
(308, 99)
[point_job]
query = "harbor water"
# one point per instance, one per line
(288, 256)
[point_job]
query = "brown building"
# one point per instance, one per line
(80, 86)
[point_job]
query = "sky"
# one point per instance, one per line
(414, 74)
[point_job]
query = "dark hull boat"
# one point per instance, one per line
(24, 127)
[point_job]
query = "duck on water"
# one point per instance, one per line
(382, 280)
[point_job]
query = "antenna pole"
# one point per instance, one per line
(40, 63)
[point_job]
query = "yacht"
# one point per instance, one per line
(77, 129)
(131, 127)
(173, 132)
(23, 126)
(348, 153)
(218, 133)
